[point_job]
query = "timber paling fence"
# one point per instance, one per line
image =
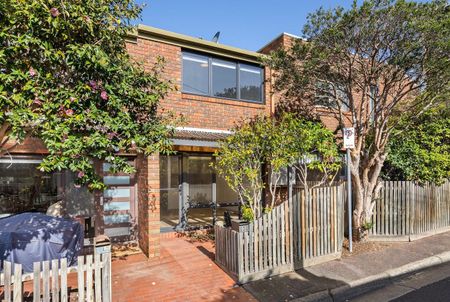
(49, 280)
(407, 211)
(299, 232)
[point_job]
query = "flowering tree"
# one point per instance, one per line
(66, 78)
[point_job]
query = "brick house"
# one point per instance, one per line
(217, 86)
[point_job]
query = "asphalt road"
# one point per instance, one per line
(429, 285)
(435, 292)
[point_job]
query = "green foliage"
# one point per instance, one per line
(367, 225)
(240, 160)
(368, 65)
(308, 145)
(279, 143)
(66, 78)
(247, 213)
(421, 151)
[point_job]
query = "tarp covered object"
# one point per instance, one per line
(30, 237)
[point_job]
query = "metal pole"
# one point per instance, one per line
(349, 203)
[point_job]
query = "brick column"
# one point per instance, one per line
(148, 205)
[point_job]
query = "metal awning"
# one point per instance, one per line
(199, 137)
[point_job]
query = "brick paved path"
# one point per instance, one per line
(185, 272)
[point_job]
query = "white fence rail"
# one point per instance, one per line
(49, 280)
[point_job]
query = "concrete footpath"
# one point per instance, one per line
(340, 280)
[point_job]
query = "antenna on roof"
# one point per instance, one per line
(216, 37)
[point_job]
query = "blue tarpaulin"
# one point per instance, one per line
(30, 237)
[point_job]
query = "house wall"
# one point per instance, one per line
(285, 41)
(198, 111)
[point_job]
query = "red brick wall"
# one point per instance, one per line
(327, 117)
(148, 204)
(199, 111)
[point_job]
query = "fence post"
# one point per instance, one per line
(291, 224)
(17, 283)
(7, 280)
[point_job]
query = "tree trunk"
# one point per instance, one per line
(366, 187)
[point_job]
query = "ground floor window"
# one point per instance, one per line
(24, 188)
(192, 194)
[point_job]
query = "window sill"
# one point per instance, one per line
(215, 99)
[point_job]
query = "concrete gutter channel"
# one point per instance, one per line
(361, 286)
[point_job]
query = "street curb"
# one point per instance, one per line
(358, 287)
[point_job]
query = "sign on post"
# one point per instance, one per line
(349, 143)
(349, 138)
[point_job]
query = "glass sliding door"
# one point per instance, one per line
(192, 195)
(227, 200)
(170, 191)
(199, 177)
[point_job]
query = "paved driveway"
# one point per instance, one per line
(185, 272)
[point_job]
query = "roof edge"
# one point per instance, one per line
(279, 36)
(165, 36)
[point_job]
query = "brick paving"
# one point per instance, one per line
(185, 272)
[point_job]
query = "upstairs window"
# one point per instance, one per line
(195, 73)
(372, 101)
(331, 97)
(224, 79)
(250, 82)
(210, 76)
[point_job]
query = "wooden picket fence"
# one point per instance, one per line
(50, 280)
(294, 234)
(407, 211)
(318, 224)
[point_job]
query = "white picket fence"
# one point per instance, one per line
(50, 280)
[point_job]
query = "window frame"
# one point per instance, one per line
(210, 77)
(330, 106)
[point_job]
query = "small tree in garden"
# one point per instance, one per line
(66, 78)
(240, 160)
(368, 65)
(309, 147)
(419, 150)
(275, 144)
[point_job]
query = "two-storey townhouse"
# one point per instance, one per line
(217, 86)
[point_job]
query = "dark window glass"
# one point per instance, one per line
(250, 82)
(215, 77)
(24, 188)
(195, 73)
(330, 97)
(224, 80)
(373, 98)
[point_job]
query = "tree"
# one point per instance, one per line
(368, 65)
(275, 144)
(422, 152)
(309, 147)
(66, 78)
(240, 159)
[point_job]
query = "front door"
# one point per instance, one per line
(192, 195)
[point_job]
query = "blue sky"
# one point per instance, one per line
(248, 24)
